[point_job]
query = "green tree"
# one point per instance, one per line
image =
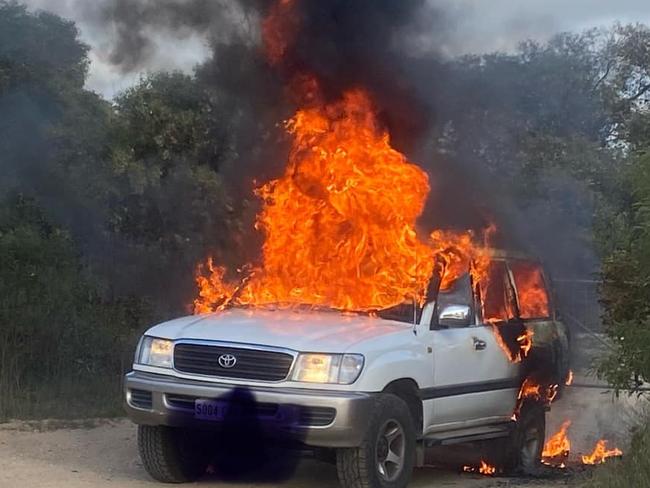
(58, 337)
(626, 287)
(172, 202)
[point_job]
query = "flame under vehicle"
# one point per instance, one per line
(372, 391)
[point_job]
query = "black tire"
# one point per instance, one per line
(525, 445)
(172, 455)
(390, 433)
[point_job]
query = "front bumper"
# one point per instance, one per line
(295, 413)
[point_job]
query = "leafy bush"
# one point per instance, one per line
(63, 348)
(626, 288)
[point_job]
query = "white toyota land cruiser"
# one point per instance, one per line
(374, 390)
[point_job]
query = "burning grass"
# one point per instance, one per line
(601, 453)
(633, 470)
(558, 448)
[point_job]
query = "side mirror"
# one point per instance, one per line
(455, 316)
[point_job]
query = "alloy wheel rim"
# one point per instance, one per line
(391, 449)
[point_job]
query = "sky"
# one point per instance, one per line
(476, 26)
(489, 25)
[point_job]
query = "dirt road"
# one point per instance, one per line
(104, 455)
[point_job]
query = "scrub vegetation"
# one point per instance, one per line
(632, 470)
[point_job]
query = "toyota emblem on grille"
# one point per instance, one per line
(227, 361)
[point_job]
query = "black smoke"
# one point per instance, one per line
(345, 44)
(419, 93)
(136, 23)
(361, 44)
(367, 43)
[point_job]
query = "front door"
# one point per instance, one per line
(475, 381)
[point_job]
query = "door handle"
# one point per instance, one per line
(479, 345)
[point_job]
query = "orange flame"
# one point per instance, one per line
(531, 292)
(339, 225)
(525, 341)
(484, 468)
(460, 253)
(532, 390)
(600, 453)
(557, 448)
(212, 288)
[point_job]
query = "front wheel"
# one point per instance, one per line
(171, 455)
(386, 457)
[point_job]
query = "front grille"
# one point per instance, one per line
(252, 364)
(181, 402)
(316, 416)
(141, 399)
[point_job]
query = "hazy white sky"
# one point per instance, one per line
(488, 25)
(476, 26)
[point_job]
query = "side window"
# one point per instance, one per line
(459, 293)
(496, 294)
(531, 289)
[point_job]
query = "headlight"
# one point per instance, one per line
(342, 369)
(155, 352)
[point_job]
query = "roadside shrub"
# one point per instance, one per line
(63, 347)
(625, 290)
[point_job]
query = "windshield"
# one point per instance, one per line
(403, 312)
(409, 311)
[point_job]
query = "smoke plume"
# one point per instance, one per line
(376, 44)
(395, 51)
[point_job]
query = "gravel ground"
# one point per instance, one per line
(105, 456)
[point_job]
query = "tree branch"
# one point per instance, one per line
(610, 63)
(640, 93)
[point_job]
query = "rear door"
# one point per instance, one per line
(474, 381)
(532, 294)
(536, 311)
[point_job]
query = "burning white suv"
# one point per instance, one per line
(373, 391)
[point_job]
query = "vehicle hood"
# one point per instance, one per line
(321, 331)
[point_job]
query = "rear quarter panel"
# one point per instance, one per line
(551, 338)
